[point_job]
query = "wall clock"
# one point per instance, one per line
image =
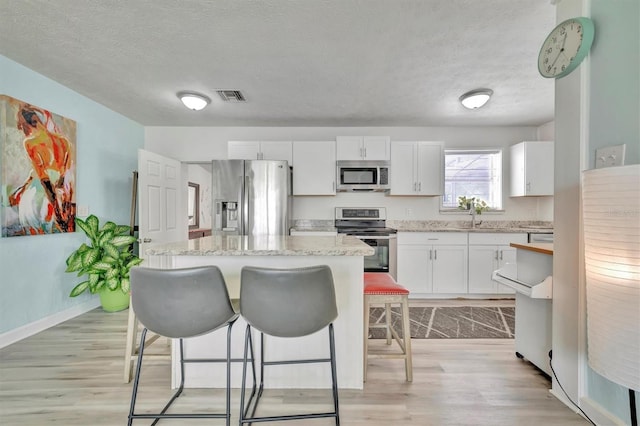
(565, 47)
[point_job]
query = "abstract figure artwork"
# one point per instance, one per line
(38, 170)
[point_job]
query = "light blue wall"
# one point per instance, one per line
(614, 119)
(33, 283)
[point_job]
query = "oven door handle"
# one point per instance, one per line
(376, 237)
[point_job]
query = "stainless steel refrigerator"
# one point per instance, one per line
(251, 197)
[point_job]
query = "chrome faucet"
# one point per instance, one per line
(472, 212)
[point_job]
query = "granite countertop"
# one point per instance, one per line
(315, 229)
(311, 225)
(233, 245)
(492, 226)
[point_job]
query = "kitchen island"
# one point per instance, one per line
(531, 277)
(343, 254)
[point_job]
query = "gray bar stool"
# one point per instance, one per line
(181, 303)
(286, 303)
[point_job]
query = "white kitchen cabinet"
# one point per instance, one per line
(260, 150)
(416, 168)
(363, 148)
(532, 169)
(433, 262)
(488, 252)
(314, 168)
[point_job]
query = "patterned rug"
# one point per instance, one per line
(458, 322)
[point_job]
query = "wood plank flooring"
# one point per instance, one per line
(71, 374)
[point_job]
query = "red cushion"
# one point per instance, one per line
(381, 283)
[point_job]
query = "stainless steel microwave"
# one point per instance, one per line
(362, 176)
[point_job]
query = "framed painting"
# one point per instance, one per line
(38, 163)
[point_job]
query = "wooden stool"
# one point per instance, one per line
(381, 288)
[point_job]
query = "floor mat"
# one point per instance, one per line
(456, 322)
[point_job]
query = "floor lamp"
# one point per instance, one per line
(611, 213)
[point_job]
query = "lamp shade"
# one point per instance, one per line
(611, 213)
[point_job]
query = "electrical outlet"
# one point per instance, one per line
(82, 211)
(408, 213)
(610, 156)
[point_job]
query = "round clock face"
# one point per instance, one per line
(565, 47)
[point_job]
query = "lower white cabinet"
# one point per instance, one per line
(488, 252)
(452, 263)
(433, 262)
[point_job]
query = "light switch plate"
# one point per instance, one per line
(610, 156)
(83, 211)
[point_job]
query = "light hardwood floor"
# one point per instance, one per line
(71, 374)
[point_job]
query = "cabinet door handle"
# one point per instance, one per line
(365, 153)
(419, 186)
(500, 254)
(435, 255)
(496, 257)
(333, 186)
(430, 254)
(361, 153)
(528, 186)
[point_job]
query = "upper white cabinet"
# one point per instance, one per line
(314, 168)
(416, 168)
(259, 150)
(532, 169)
(363, 147)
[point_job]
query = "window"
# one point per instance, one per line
(472, 173)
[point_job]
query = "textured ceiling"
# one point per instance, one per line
(298, 63)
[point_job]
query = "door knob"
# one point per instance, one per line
(144, 240)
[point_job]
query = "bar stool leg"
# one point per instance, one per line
(406, 337)
(365, 345)
(387, 314)
(130, 348)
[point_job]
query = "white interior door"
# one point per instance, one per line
(160, 198)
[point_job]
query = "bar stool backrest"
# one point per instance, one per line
(288, 302)
(180, 303)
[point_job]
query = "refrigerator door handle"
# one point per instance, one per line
(245, 205)
(240, 207)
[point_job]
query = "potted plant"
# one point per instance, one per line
(106, 262)
(465, 203)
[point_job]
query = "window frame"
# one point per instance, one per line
(455, 210)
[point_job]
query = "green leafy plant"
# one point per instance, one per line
(464, 203)
(106, 261)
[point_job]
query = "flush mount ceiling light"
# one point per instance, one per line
(476, 98)
(194, 101)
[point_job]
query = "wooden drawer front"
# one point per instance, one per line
(429, 238)
(496, 238)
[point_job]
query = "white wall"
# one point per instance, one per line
(195, 144)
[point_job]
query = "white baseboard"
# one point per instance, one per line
(599, 414)
(596, 412)
(30, 329)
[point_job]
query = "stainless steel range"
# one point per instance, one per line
(369, 225)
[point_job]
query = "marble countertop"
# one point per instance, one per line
(233, 245)
(493, 226)
(497, 226)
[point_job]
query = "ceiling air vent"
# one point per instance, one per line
(231, 95)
